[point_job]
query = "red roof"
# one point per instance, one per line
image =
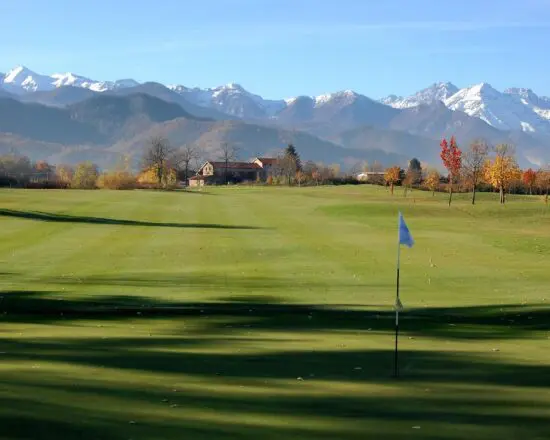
(267, 160)
(236, 165)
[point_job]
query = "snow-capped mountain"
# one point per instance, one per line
(504, 111)
(232, 99)
(513, 109)
(436, 92)
(22, 80)
(539, 104)
(325, 114)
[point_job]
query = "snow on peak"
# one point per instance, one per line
(539, 104)
(69, 79)
(234, 86)
(346, 95)
(501, 110)
(17, 73)
(436, 92)
(22, 80)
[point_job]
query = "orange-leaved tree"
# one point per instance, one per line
(432, 181)
(529, 178)
(452, 160)
(543, 183)
(392, 176)
(502, 170)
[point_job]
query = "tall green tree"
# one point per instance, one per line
(291, 152)
(414, 171)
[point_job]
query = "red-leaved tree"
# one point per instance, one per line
(452, 160)
(529, 178)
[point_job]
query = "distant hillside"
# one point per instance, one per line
(121, 116)
(100, 120)
(251, 140)
(59, 97)
(6, 94)
(402, 143)
(161, 92)
(46, 124)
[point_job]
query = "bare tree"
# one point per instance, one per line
(474, 163)
(286, 168)
(228, 154)
(157, 156)
(183, 159)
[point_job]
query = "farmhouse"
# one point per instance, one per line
(371, 176)
(216, 173)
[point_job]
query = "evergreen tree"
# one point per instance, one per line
(291, 152)
(415, 171)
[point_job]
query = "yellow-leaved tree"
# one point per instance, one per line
(392, 176)
(432, 181)
(502, 170)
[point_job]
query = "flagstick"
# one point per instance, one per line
(396, 365)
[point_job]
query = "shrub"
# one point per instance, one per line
(117, 180)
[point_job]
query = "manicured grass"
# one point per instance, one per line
(266, 313)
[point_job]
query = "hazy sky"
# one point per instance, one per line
(281, 48)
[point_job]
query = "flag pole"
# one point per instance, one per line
(397, 303)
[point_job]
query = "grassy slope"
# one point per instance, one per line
(194, 314)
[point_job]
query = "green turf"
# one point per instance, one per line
(266, 313)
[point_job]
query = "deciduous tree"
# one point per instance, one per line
(432, 181)
(300, 177)
(228, 154)
(502, 170)
(156, 158)
(451, 156)
(182, 159)
(529, 178)
(64, 174)
(85, 176)
(392, 176)
(543, 182)
(474, 163)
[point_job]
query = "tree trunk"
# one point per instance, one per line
(433, 192)
(450, 193)
(159, 176)
(391, 188)
(502, 200)
(474, 196)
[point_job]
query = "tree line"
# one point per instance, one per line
(480, 167)
(161, 166)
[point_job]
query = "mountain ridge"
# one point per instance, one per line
(340, 118)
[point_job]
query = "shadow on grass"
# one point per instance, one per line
(243, 392)
(196, 414)
(64, 218)
(270, 313)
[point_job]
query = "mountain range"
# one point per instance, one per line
(67, 117)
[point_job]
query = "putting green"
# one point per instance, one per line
(266, 313)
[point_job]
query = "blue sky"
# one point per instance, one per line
(281, 48)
